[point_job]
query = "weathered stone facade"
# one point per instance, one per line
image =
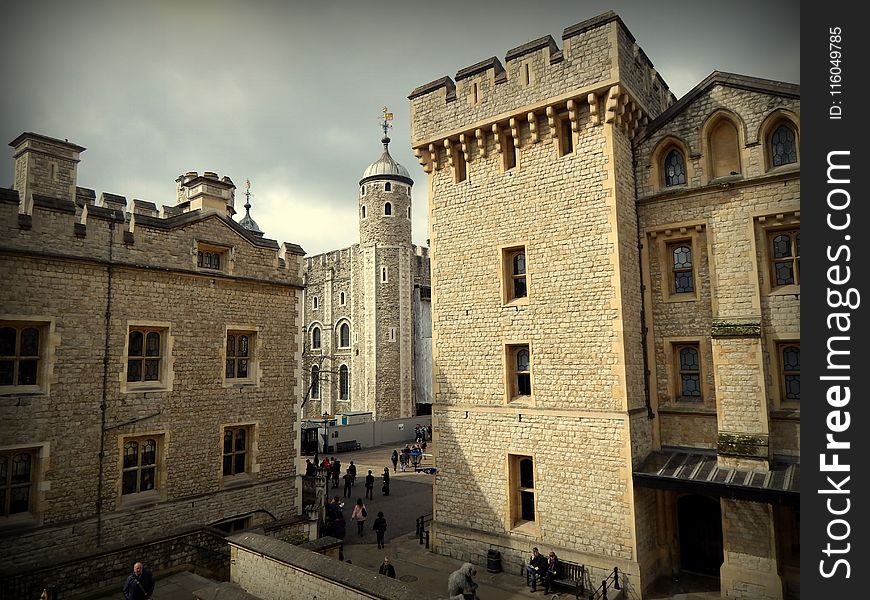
(379, 291)
(552, 393)
(127, 442)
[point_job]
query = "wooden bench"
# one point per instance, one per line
(347, 446)
(570, 575)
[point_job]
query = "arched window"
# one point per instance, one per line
(388, 209)
(344, 336)
(409, 212)
(783, 146)
(315, 303)
(675, 168)
(518, 268)
(140, 466)
(143, 356)
(724, 149)
(790, 364)
(315, 338)
(343, 383)
(315, 381)
(388, 187)
(341, 298)
(363, 211)
(786, 247)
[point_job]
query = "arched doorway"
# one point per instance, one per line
(700, 523)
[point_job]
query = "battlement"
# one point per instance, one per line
(336, 259)
(597, 55)
(46, 213)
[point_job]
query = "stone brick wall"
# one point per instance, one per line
(750, 567)
(87, 286)
(274, 570)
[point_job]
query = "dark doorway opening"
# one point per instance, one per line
(700, 520)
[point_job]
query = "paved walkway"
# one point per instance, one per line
(410, 497)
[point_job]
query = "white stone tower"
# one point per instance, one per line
(384, 316)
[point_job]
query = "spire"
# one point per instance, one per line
(247, 222)
(386, 167)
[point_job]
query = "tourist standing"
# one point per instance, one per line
(139, 584)
(386, 487)
(380, 527)
(370, 484)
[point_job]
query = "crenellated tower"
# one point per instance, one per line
(384, 356)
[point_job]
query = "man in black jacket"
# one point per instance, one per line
(537, 569)
(387, 569)
(139, 585)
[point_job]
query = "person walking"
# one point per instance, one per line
(139, 584)
(370, 484)
(386, 487)
(380, 527)
(395, 459)
(352, 470)
(348, 483)
(359, 515)
(387, 569)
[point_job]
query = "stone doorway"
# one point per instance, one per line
(700, 529)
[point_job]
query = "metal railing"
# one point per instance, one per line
(600, 593)
(422, 530)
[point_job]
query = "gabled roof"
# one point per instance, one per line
(743, 82)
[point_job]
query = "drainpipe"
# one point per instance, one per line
(643, 328)
(108, 319)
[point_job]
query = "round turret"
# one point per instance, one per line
(385, 202)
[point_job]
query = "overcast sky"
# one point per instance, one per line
(289, 94)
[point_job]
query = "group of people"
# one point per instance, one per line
(402, 460)
(542, 569)
(422, 433)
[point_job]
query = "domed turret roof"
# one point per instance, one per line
(386, 168)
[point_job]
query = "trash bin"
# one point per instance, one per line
(493, 561)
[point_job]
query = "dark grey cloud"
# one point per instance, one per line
(289, 94)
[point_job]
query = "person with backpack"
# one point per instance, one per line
(380, 527)
(359, 515)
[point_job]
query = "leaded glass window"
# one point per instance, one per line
(16, 481)
(315, 338)
(790, 361)
(144, 355)
(344, 335)
(139, 473)
(675, 168)
(690, 372)
(785, 252)
(523, 373)
(683, 275)
(519, 274)
(783, 146)
(238, 355)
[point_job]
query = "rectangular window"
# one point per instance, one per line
(515, 289)
(17, 477)
(211, 257)
(240, 355)
(789, 354)
(688, 371)
(146, 349)
(22, 355)
(566, 136)
(785, 257)
(459, 164)
(140, 463)
(236, 450)
(522, 489)
(509, 150)
(682, 279)
(519, 372)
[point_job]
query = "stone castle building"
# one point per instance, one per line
(615, 314)
(149, 364)
(366, 309)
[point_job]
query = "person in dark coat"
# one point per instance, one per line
(387, 569)
(395, 459)
(386, 488)
(370, 484)
(139, 585)
(536, 569)
(352, 470)
(380, 527)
